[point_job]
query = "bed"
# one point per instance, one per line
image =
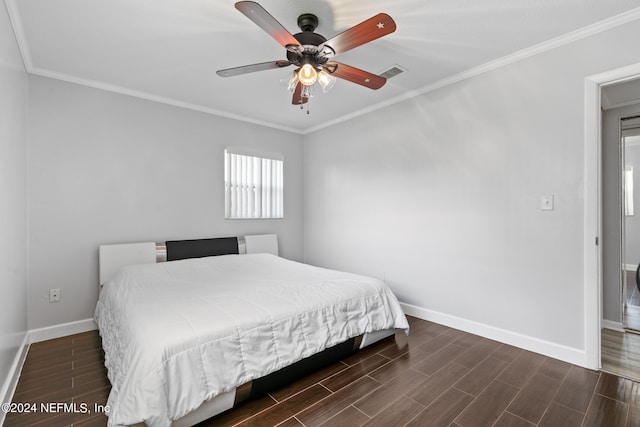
(190, 328)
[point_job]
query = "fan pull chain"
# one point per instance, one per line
(302, 105)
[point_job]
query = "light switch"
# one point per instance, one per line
(546, 202)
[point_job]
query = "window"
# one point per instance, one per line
(253, 184)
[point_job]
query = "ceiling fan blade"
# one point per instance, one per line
(230, 72)
(264, 20)
(355, 75)
(369, 30)
(298, 99)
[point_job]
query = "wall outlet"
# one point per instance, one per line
(54, 295)
(546, 202)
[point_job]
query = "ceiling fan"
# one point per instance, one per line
(312, 53)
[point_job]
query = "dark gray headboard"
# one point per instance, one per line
(198, 248)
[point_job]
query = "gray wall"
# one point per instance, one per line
(440, 194)
(109, 168)
(13, 201)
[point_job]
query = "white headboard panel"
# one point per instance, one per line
(113, 257)
(262, 243)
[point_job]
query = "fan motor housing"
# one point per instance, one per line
(309, 40)
(308, 22)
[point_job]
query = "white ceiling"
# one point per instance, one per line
(169, 50)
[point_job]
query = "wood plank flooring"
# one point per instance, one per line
(632, 318)
(631, 311)
(621, 353)
(437, 376)
(633, 293)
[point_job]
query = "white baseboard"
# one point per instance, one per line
(610, 324)
(631, 267)
(33, 336)
(6, 393)
(62, 330)
(557, 351)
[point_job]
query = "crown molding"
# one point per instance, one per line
(598, 27)
(155, 98)
(18, 31)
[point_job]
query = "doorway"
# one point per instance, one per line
(620, 166)
(630, 220)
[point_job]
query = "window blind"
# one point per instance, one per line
(253, 186)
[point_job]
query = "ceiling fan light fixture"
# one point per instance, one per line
(310, 51)
(307, 75)
(293, 82)
(306, 92)
(326, 81)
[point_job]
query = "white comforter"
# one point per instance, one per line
(179, 333)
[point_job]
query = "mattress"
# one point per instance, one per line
(180, 333)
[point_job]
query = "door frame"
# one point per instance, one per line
(592, 247)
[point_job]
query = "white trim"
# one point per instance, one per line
(33, 336)
(18, 31)
(557, 351)
(592, 220)
(62, 330)
(630, 267)
(9, 387)
(592, 253)
(614, 326)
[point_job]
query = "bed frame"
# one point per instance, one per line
(115, 256)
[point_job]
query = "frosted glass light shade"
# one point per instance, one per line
(326, 80)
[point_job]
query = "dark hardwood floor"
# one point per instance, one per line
(437, 376)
